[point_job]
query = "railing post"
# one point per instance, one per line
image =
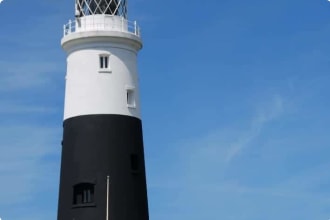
(70, 25)
(64, 31)
(135, 29)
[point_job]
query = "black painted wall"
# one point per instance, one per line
(95, 146)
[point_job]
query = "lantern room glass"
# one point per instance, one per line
(109, 7)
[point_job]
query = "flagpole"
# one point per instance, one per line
(108, 181)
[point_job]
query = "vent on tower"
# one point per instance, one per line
(109, 7)
(134, 163)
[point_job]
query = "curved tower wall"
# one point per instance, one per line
(102, 165)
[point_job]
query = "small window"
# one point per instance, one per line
(104, 62)
(134, 162)
(130, 98)
(83, 193)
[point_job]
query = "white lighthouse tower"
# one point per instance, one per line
(102, 168)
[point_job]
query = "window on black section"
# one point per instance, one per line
(83, 193)
(134, 162)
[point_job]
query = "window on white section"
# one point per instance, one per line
(130, 98)
(104, 63)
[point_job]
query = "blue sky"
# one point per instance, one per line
(234, 101)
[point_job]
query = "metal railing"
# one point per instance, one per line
(121, 25)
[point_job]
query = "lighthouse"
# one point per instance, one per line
(102, 165)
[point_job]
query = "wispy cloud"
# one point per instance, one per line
(214, 152)
(198, 174)
(265, 114)
(218, 173)
(23, 167)
(26, 75)
(18, 108)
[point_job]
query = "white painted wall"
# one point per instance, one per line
(90, 91)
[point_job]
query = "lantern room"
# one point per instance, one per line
(95, 7)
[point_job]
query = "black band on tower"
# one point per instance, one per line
(94, 147)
